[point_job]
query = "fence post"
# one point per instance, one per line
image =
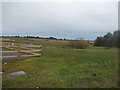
(19, 51)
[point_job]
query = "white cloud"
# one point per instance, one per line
(46, 17)
(60, 0)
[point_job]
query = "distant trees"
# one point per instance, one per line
(52, 38)
(99, 41)
(37, 37)
(109, 40)
(17, 36)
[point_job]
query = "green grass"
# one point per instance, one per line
(65, 68)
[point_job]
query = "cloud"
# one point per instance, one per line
(70, 19)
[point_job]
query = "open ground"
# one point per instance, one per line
(60, 67)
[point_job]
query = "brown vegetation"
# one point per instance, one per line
(79, 44)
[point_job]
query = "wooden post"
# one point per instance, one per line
(19, 50)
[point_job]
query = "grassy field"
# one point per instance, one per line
(95, 67)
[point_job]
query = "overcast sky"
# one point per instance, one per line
(71, 20)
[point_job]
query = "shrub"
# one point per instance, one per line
(79, 44)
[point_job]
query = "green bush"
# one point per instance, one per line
(79, 44)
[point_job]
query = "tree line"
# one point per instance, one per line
(37, 37)
(109, 40)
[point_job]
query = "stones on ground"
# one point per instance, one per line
(5, 63)
(1, 73)
(17, 73)
(29, 75)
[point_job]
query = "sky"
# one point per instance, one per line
(65, 19)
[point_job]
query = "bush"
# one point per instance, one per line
(79, 44)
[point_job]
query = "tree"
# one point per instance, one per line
(109, 40)
(99, 41)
